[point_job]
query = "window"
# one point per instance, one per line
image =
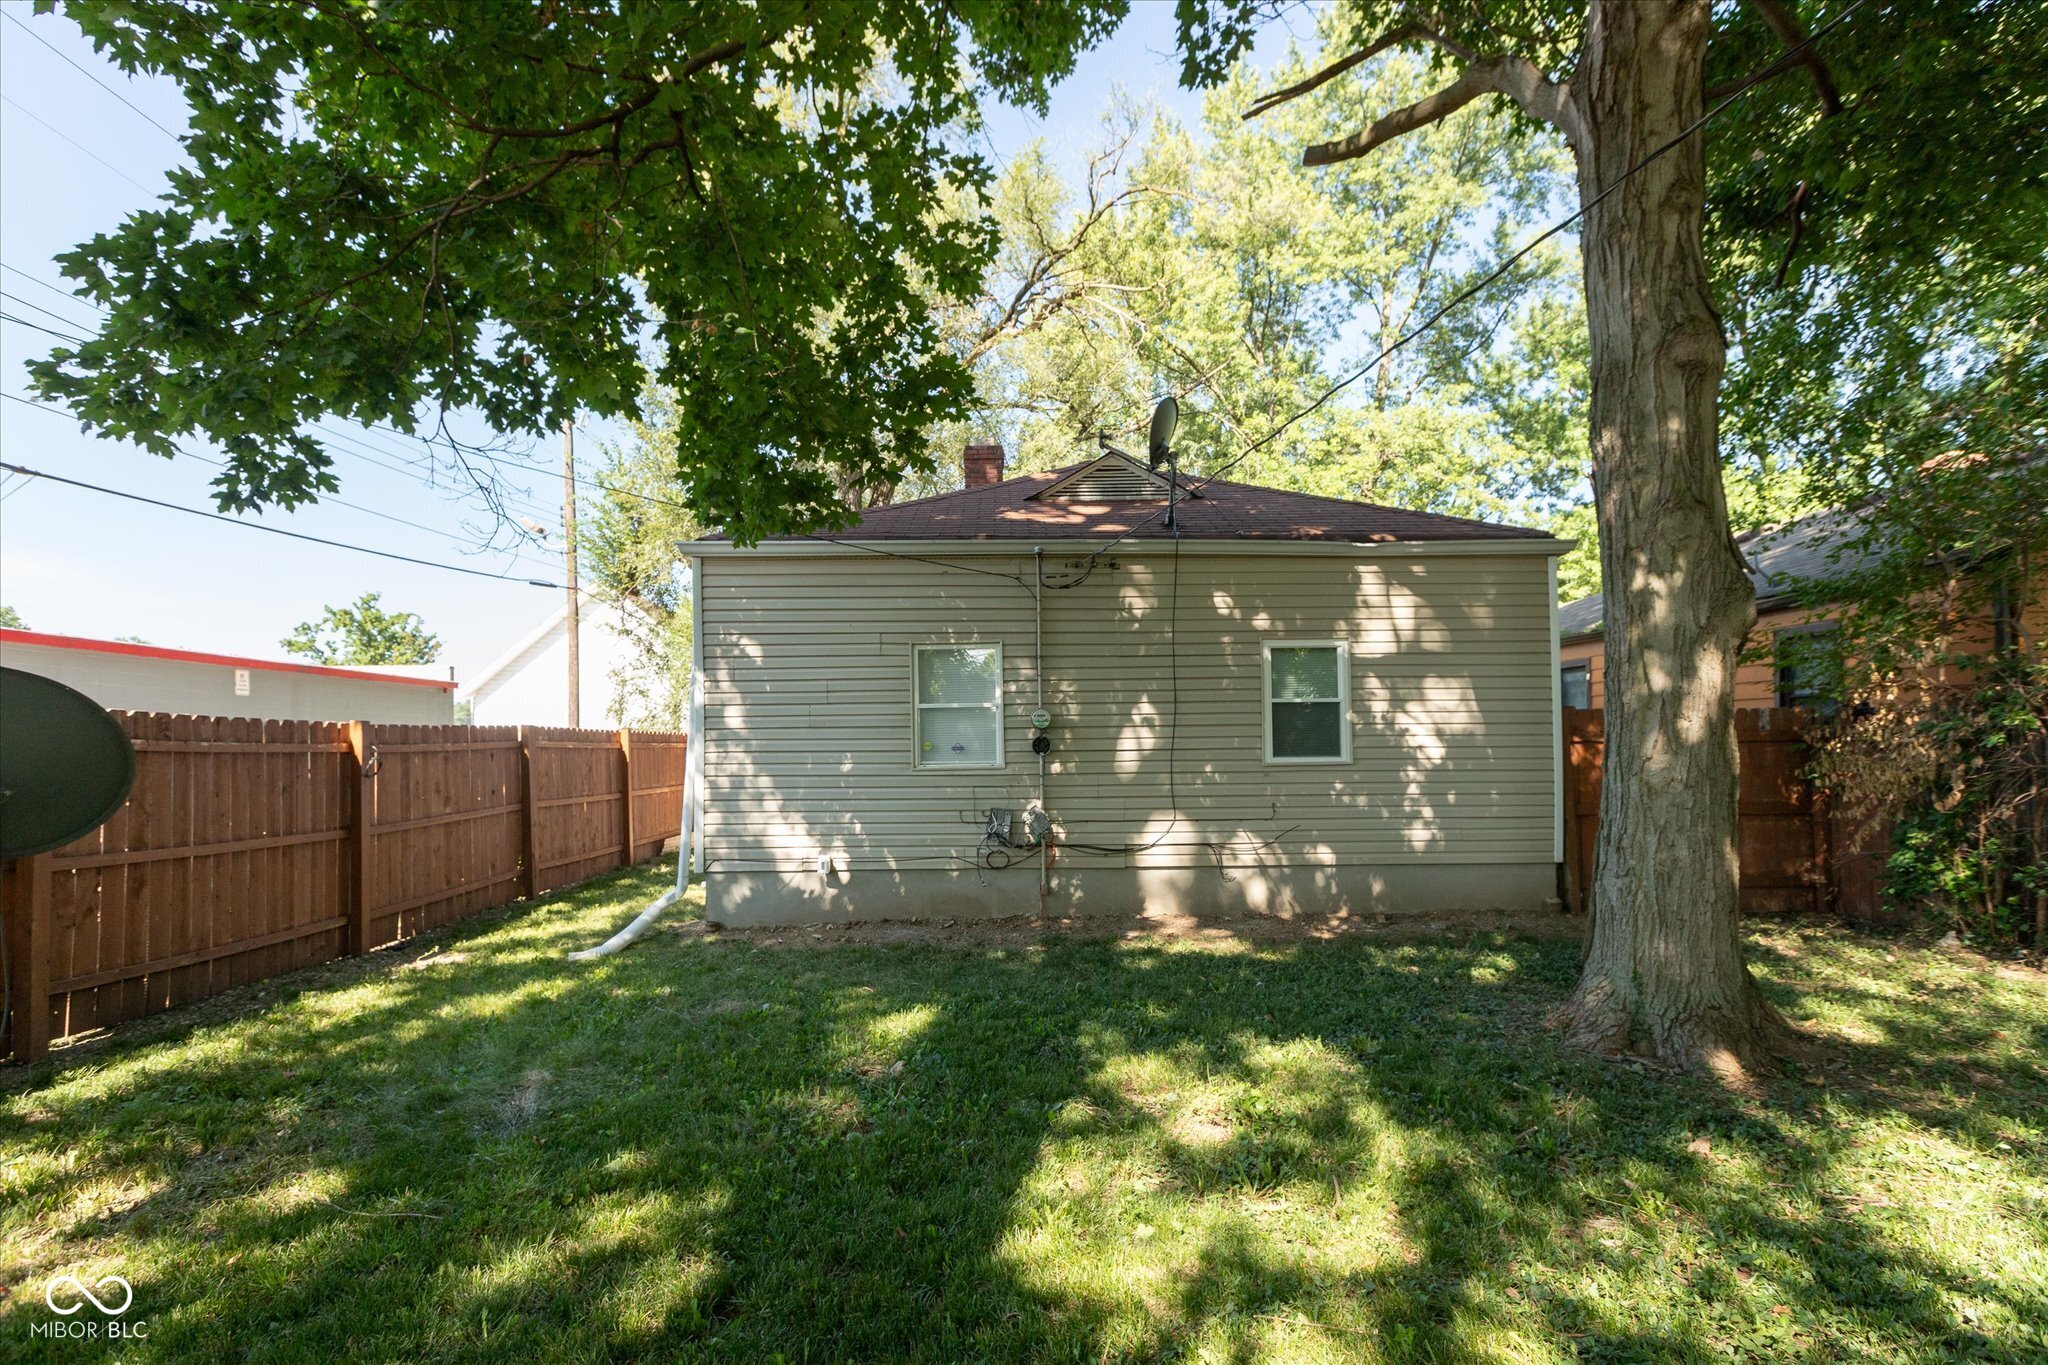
(2008, 632)
(958, 720)
(1809, 667)
(1577, 685)
(1307, 714)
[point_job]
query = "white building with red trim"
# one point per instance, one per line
(133, 677)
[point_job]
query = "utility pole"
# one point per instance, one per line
(569, 568)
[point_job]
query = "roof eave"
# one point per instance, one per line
(1024, 545)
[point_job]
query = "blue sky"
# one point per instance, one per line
(74, 160)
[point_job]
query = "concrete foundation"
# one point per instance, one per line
(755, 899)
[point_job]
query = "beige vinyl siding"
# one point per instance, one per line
(808, 737)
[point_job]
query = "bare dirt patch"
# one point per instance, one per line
(524, 1104)
(449, 959)
(1202, 1126)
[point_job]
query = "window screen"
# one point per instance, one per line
(959, 718)
(1577, 689)
(1809, 667)
(1305, 707)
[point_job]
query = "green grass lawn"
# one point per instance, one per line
(1354, 1149)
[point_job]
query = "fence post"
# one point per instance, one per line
(359, 775)
(1574, 891)
(626, 786)
(529, 818)
(26, 890)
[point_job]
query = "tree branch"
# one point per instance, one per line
(1516, 77)
(1393, 37)
(1792, 34)
(1797, 209)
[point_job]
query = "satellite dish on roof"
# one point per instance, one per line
(65, 766)
(1165, 418)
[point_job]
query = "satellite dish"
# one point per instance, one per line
(65, 766)
(1165, 418)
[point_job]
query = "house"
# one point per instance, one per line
(1791, 656)
(528, 684)
(1069, 691)
(122, 676)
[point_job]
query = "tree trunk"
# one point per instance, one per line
(1664, 975)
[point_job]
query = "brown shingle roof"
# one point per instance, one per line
(1221, 511)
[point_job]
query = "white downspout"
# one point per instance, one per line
(691, 848)
(1557, 765)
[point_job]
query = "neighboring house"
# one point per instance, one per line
(1283, 704)
(130, 677)
(1791, 656)
(529, 683)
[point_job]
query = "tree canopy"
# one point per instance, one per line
(394, 211)
(397, 211)
(626, 538)
(1207, 263)
(362, 632)
(1874, 212)
(1216, 268)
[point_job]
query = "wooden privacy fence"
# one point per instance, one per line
(1795, 854)
(249, 848)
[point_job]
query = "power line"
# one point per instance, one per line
(325, 499)
(493, 459)
(46, 312)
(489, 457)
(94, 79)
(40, 283)
(38, 327)
(331, 433)
(329, 499)
(528, 503)
(411, 470)
(76, 143)
(275, 530)
(531, 505)
(537, 508)
(496, 459)
(359, 442)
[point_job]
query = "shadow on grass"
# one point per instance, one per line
(1079, 1150)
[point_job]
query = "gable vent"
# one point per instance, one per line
(1109, 481)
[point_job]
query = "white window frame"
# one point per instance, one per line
(1343, 648)
(918, 707)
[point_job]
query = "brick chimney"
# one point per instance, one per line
(982, 465)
